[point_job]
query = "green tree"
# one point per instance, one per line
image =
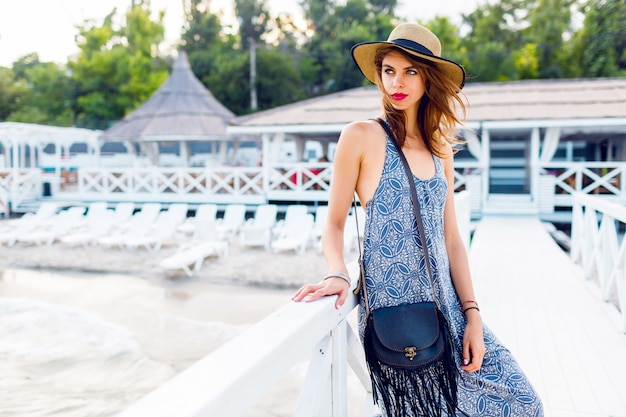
(222, 61)
(45, 96)
(8, 94)
(526, 62)
(117, 69)
(278, 82)
(549, 24)
(601, 43)
(494, 32)
(253, 18)
(203, 38)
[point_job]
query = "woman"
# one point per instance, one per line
(420, 93)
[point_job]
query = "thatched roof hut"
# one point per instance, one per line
(182, 110)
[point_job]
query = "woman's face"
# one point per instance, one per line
(402, 81)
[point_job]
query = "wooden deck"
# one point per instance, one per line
(537, 302)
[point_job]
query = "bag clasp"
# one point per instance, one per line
(410, 352)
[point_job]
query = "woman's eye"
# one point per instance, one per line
(388, 71)
(412, 72)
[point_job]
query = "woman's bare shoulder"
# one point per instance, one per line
(364, 129)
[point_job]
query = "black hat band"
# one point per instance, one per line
(412, 45)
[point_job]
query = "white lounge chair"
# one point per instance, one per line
(123, 212)
(204, 212)
(178, 211)
(163, 228)
(293, 213)
(96, 210)
(54, 228)
(257, 231)
(234, 217)
(294, 235)
(91, 232)
(204, 244)
(138, 225)
(10, 232)
(12, 229)
(45, 211)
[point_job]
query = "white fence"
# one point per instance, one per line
(225, 184)
(306, 182)
(17, 186)
(607, 179)
(598, 245)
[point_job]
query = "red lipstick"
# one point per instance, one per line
(398, 96)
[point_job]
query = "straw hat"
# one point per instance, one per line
(413, 39)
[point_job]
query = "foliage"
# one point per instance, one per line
(47, 97)
(602, 43)
(116, 69)
(550, 20)
(9, 93)
(119, 65)
(277, 81)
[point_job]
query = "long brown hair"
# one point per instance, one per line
(436, 115)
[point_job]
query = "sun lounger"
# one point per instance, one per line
(123, 212)
(294, 236)
(293, 214)
(54, 228)
(206, 242)
(89, 234)
(137, 225)
(191, 259)
(204, 212)
(258, 230)
(234, 217)
(163, 228)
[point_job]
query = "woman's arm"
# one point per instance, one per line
(473, 342)
(346, 168)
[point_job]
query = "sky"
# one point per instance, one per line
(48, 27)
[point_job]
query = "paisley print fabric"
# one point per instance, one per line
(395, 274)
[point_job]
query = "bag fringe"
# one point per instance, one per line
(426, 391)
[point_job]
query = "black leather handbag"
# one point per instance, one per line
(408, 348)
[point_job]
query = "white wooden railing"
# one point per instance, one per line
(227, 184)
(17, 186)
(311, 182)
(607, 179)
(599, 247)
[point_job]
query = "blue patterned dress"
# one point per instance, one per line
(395, 274)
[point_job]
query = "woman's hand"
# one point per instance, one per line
(329, 286)
(473, 342)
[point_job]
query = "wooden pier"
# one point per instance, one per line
(537, 302)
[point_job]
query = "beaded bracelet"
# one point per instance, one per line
(339, 274)
(468, 301)
(471, 308)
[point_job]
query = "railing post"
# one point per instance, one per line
(577, 229)
(339, 371)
